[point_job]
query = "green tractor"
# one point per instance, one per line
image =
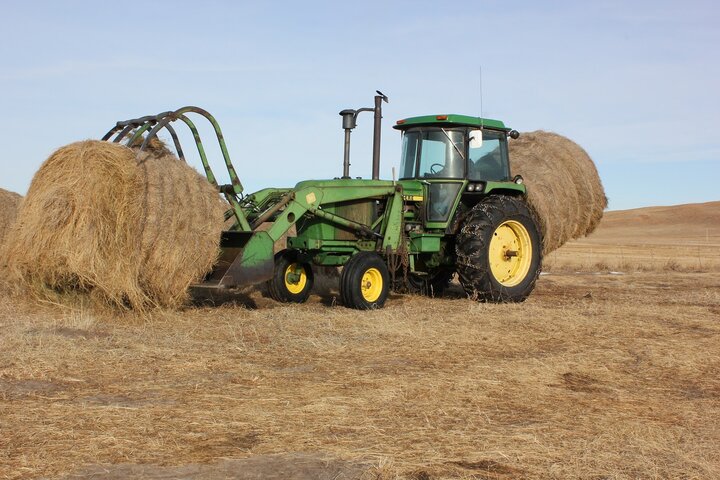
(455, 208)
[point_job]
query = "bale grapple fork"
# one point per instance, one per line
(236, 265)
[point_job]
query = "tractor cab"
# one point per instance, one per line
(453, 155)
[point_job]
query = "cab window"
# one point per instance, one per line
(437, 153)
(489, 161)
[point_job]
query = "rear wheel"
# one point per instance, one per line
(292, 279)
(499, 250)
(364, 282)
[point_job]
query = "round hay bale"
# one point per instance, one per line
(564, 188)
(9, 205)
(132, 229)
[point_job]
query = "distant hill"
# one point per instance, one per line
(690, 223)
(680, 237)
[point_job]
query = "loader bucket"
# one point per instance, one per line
(246, 258)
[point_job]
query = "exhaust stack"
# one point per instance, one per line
(349, 122)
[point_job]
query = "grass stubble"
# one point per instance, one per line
(593, 377)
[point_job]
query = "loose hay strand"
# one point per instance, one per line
(621, 384)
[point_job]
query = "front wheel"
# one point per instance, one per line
(499, 250)
(292, 279)
(364, 282)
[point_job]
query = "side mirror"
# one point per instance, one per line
(476, 139)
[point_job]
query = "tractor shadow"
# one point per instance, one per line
(327, 286)
(212, 297)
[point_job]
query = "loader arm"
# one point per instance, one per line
(248, 257)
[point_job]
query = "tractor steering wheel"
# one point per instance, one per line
(440, 168)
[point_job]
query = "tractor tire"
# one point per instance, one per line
(292, 279)
(364, 282)
(499, 250)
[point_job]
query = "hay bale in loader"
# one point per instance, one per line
(132, 229)
(564, 188)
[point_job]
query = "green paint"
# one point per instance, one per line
(393, 226)
(451, 120)
(335, 219)
(425, 242)
(510, 187)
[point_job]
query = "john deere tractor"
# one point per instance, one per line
(454, 208)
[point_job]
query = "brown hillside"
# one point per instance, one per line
(679, 237)
(695, 223)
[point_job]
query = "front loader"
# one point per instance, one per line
(454, 209)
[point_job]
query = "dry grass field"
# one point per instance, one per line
(610, 370)
(677, 238)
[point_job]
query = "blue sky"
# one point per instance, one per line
(635, 83)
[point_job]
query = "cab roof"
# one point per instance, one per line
(452, 120)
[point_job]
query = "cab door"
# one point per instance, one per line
(442, 165)
(437, 157)
(442, 196)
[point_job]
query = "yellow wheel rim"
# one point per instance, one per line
(295, 278)
(510, 253)
(371, 285)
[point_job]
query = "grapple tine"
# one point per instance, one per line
(110, 133)
(152, 124)
(234, 179)
(176, 141)
(123, 133)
